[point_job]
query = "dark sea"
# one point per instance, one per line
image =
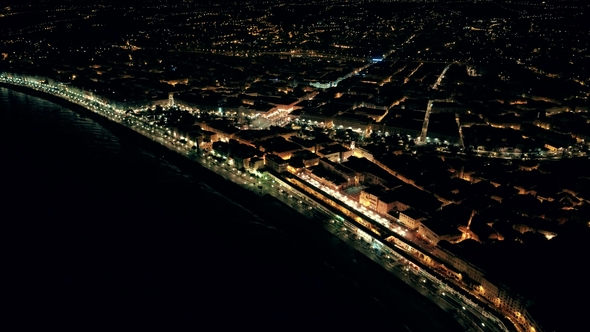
(105, 231)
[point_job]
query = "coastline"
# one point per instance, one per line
(225, 187)
(361, 269)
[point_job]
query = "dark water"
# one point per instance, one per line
(103, 231)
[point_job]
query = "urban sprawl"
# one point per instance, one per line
(429, 137)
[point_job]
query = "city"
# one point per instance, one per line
(432, 141)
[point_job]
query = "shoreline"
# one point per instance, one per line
(308, 229)
(235, 192)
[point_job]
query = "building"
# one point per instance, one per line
(377, 199)
(376, 114)
(224, 129)
(320, 117)
(308, 144)
(427, 234)
(330, 177)
(209, 136)
(308, 159)
(255, 163)
(411, 218)
(371, 174)
(279, 146)
(352, 177)
(450, 254)
(238, 155)
(361, 152)
(336, 153)
(276, 163)
(355, 122)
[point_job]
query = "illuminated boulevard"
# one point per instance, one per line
(314, 203)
